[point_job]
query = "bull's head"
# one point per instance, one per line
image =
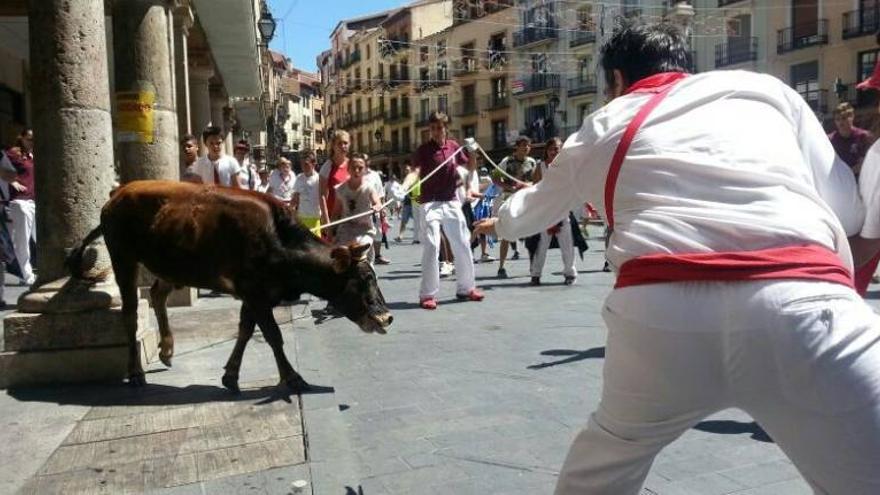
(361, 300)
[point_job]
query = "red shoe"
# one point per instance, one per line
(474, 295)
(428, 303)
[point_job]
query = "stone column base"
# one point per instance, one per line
(87, 346)
(179, 298)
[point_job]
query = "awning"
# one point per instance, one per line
(231, 29)
(249, 114)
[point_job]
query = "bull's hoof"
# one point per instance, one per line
(166, 360)
(295, 384)
(137, 380)
(231, 383)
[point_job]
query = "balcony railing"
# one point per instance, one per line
(353, 58)
(397, 115)
(579, 38)
(466, 108)
(465, 66)
(817, 99)
(495, 102)
(736, 51)
(860, 22)
(802, 36)
(581, 85)
(539, 82)
(725, 3)
(530, 35)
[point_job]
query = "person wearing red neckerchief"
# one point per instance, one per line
(735, 232)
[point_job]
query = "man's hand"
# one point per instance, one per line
(18, 187)
(486, 227)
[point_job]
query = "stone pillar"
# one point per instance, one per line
(183, 22)
(143, 62)
(67, 330)
(73, 127)
(199, 97)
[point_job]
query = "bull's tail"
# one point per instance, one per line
(74, 259)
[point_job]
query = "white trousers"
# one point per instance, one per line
(566, 245)
(802, 358)
(22, 213)
(447, 214)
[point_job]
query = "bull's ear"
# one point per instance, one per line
(341, 259)
(359, 251)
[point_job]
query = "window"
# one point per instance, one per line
(319, 137)
(584, 68)
(441, 48)
(866, 63)
(805, 80)
(395, 140)
(584, 110)
(369, 52)
(805, 18)
(423, 54)
(443, 104)
(317, 116)
(381, 71)
(369, 75)
(442, 72)
(469, 131)
(539, 63)
(424, 109)
(405, 139)
(499, 133)
(499, 89)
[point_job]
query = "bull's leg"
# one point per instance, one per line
(246, 325)
(272, 333)
(159, 295)
(126, 271)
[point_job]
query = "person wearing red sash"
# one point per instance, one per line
(869, 187)
(731, 215)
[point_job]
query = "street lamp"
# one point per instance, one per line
(266, 25)
(840, 89)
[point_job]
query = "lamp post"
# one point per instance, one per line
(266, 26)
(840, 90)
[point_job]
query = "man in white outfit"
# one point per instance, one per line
(734, 274)
(440, 207)
(22, 205)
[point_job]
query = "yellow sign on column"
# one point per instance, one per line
(134, 111)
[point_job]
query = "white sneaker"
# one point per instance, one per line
(486, 258)
(446, 269)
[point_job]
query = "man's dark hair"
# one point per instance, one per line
(187, 138)
(523, 140)
(438, 117)
(212, 130)
(357, 156)
(640, 50)
(308, 155)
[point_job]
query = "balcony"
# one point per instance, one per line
(579, 38)
(581, 85)
(536, 83)
(532, 35)
(725, 3)
(736, 51)
(860, 22)
(352, 59)
(817, 99)
(802, 36)
(465, 66)
(397, 115)
(466, 108)
(495, 102)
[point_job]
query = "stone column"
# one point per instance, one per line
(143, 54)
(73, 128)
(63, 322)
(183, 22)
(199, 97)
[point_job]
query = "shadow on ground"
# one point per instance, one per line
(154, 394)
(728, 427)
(573, 356)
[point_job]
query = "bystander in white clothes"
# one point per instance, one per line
(731, 162)
(566, 247)
(281, 187)
(226, 168)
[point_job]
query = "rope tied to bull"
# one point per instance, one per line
(470, 144)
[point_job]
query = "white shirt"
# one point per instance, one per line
(729, 161)
(227, 167)
(307, 186)
(280, 187)
(461, 192)
(261, 187)
(869, 188)
(248, 172)
(375, 181)
(473, 181)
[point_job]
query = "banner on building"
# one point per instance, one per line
(134, 110)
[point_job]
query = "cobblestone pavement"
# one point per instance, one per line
(474, 398)
(485, 398)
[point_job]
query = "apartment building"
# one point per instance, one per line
(820, 48)
(302, 106)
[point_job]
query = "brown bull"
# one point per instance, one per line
(238, 242)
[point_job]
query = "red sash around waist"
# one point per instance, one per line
(809, 262)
